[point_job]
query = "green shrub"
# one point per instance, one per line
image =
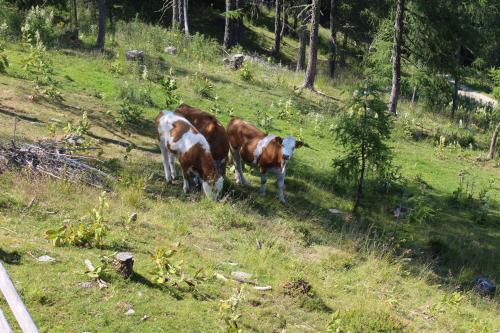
(169, 85)
(495, 77)
(89, 234)
(38, 19)
(168, 271)
(128, 113)
(202, 86)
(203, 48)
(133, 94)
(39, 67)
(12, 17)
(246, 73)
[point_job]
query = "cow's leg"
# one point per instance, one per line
(185, 186)
(238, 166)
(166, 160)
(171, 163)
(263, 180)
(281, 186)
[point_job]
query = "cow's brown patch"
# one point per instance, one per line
(200, 161)
(179, 128)
(271, 156)
(211, 129)
(244, 137)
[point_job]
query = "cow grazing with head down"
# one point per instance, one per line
(213, 131)
(270, 153)
(179, 139)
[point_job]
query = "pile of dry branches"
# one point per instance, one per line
(54, 159)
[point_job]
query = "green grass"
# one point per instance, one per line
(374, 275)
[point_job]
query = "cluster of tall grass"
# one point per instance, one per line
(153, 39)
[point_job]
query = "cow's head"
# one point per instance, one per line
(213, 188)
(288, 145)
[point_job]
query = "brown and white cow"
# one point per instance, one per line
(270, 153)
(213, 131)
(179, 139)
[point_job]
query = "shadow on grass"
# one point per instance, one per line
(12, 258)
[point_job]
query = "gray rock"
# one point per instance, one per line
(86, 285)
(241, 276)
(135, 55)
(130, 312)
(133, 217)
(484, 287)
(170, 50)
(45, 258)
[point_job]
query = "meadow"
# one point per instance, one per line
(376, 274)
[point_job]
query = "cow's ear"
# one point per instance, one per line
(279, 140)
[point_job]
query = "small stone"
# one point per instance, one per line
(220, 277)
(45, 258)
(335, 211)
(85, 285)
(144, 317)
(229, 263)
(170, 50)
(133, 217)
(130, 312)
(263, 288)
(241, 276)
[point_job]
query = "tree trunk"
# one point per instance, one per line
(454, 98)
(361, 180)
(229, 30)
(175, 14)
(101, 33)
(277, 28)
(493, 143)
(313, 47)
(180, 10)
(284, 23)
(396, 56)
(74, 11)
(344, 48)
(239, 24)
(332, 45)
(301, 57)
(124, 264)
(185, 12)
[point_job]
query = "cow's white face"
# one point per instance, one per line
(213, 191)
(287, 148)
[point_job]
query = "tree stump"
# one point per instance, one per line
(135, 55)
(124, 264)
(234, 62)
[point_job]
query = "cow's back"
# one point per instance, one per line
(241, 132)
(208, 126)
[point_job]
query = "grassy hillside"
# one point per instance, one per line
(375, 275)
